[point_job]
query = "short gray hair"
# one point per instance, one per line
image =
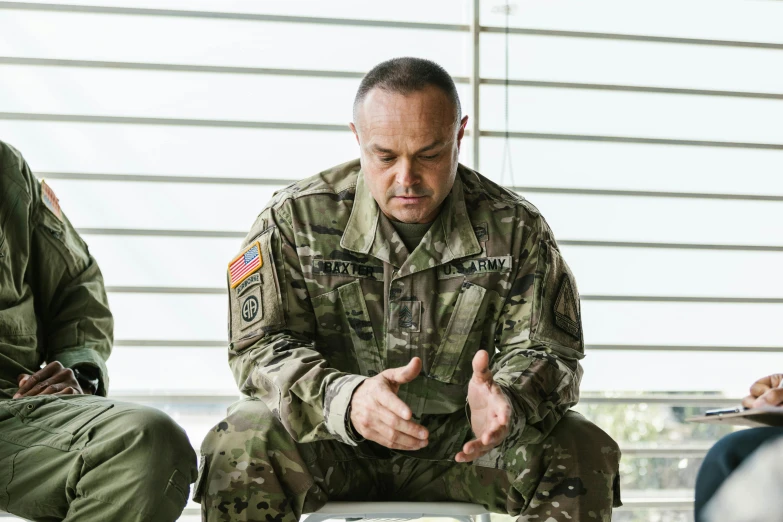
(404, 76)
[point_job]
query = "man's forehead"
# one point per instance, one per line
(427, 108)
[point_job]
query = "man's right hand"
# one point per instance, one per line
(765, 392)
(379, 415)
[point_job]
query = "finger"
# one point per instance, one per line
(53, 389)
(408, 427)
(390, 401)
(68, 391)
(46, 372)
(759, 388)
(471, 451)
(481, 371)
(773, 397)
(21, 378)
(494, 435)
(748, 401)
(405, 374)
(394, 439)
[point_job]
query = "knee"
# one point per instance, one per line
(155, 433)
(581, 439)
(249, 423)
(729, 452)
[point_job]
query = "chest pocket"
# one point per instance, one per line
(447, 366)
(342, 315)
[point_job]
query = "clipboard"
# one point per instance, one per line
(766, 416)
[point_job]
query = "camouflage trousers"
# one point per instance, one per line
(252, 470)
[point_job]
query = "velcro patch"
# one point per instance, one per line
(252, 279)
(482, 232)
(483, 265)
(242, 266)
(406, 315)
(323, 267)
(50, 200)
(566, 314)
(251, 308)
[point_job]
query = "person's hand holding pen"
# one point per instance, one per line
(767, 391)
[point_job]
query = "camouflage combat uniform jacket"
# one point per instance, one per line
(338, 298)
(53, 304)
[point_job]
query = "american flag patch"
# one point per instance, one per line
(50, 200)
(245, 264)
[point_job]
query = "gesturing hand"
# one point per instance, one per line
(52, 379)
(490, 411)
(379, 415)
(765, 392)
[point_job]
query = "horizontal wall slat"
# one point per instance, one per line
(633, 139)
(158, 343)
(174, 290)
(226, 397)
(162, 178)
(188, 122)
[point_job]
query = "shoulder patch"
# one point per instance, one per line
(566, 315)
(50, 200)
(245, 264)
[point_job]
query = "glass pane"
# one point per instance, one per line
(622, 62)
(172, 150)
(438, 11)
(169, 317)
(556, 163)
(665, 220)
(604, 113)
(666, 371)
(230, 42)
(136, 261)
(674, 272)
(159, 94)
(702, 324)
(659, 18)
(108, 204)
(185, 371)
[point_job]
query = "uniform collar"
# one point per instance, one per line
(450, 237)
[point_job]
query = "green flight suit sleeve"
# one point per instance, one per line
(272, 352)
(539, 338)
(77, 325)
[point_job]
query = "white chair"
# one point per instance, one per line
(398, 511)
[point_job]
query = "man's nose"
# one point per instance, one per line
(405, 175)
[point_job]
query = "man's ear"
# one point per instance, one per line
(355, 131)
(461, 131)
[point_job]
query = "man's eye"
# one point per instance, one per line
(387, 160)
(429, 157)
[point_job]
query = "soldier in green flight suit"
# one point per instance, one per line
(67, 452)
(405, 329)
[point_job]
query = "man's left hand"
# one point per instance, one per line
(490, 411)
(52, 379)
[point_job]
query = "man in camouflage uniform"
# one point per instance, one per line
(66, 452)
(405, 329)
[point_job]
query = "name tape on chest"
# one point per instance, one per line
(484, 265)
(245, 264)
(324, 267)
